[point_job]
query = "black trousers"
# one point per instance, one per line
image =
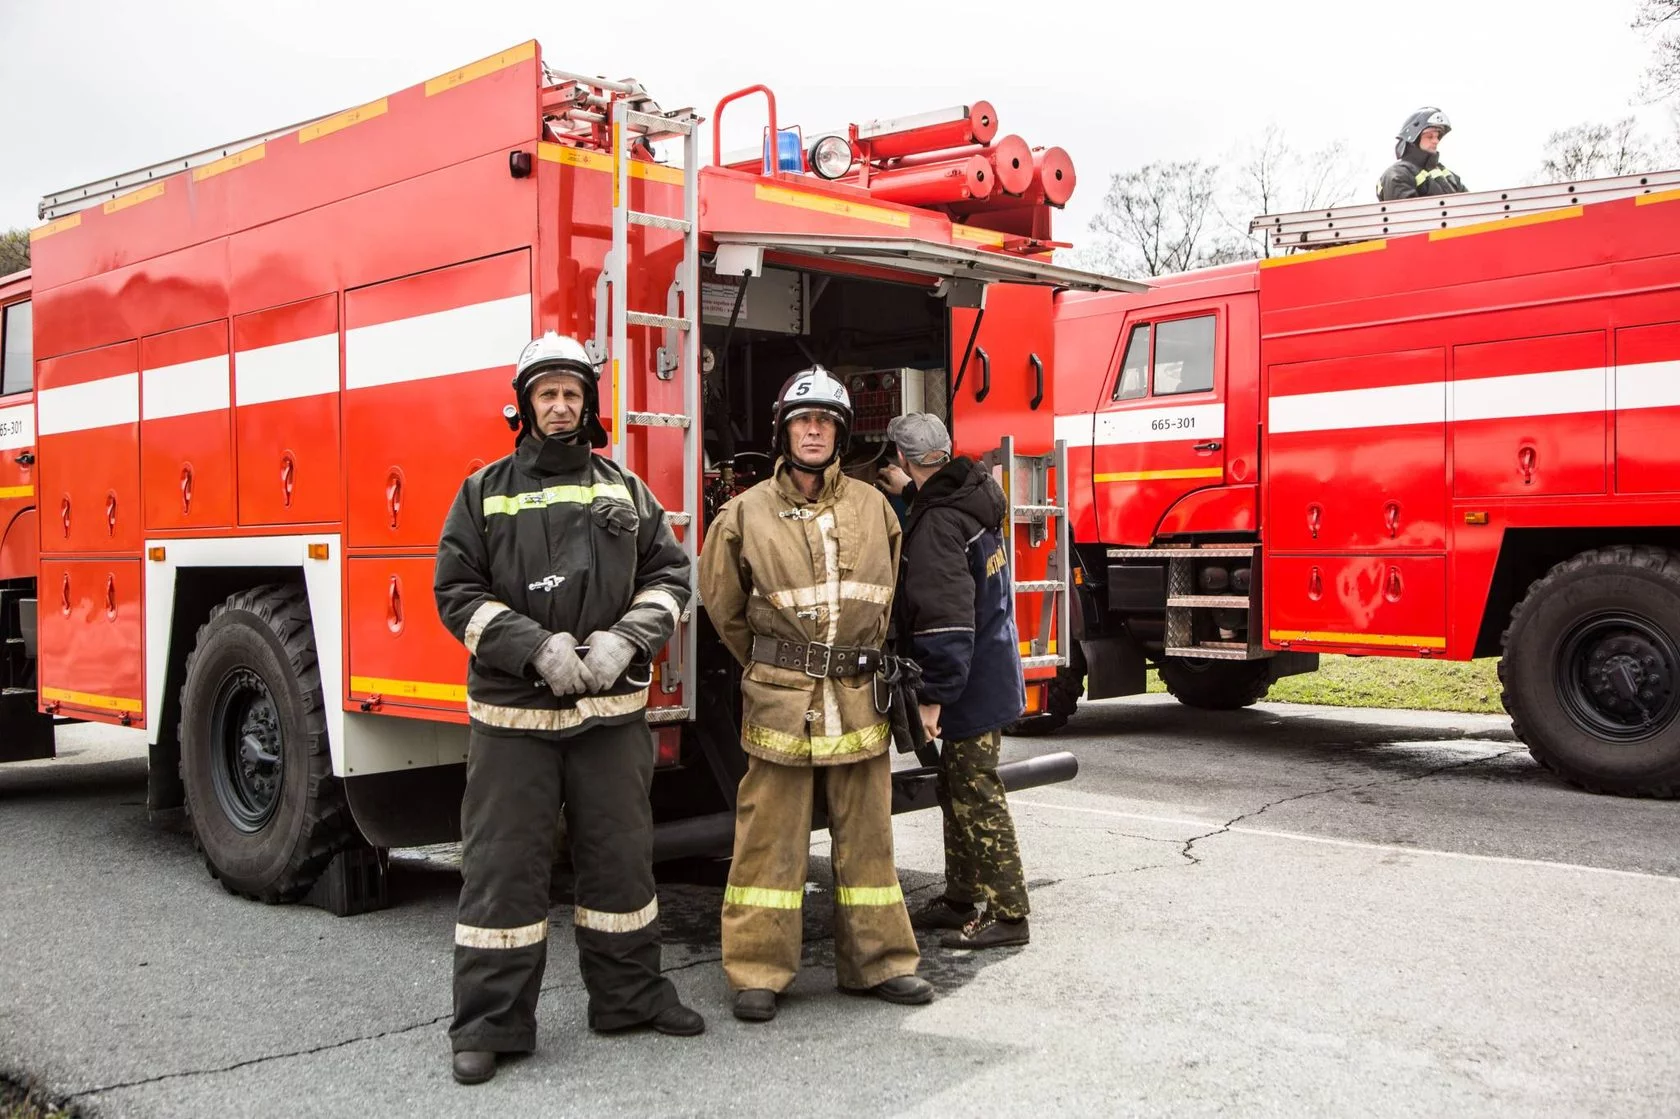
(517, 787)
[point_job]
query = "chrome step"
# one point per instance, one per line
(1210, 601)
(662, 322)
(656, 419)
(657, 221)
(657, 715)
(1040, 585)
(1043, 662)
(1212, 651)
(1212, 551)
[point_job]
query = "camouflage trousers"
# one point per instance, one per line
(982, 859)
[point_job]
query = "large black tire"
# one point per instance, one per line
(1065, 692)
(1215, 685)
(265, 808)
(1591, 671)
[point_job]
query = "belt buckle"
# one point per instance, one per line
(827, 659)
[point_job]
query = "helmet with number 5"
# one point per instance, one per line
(812, 390)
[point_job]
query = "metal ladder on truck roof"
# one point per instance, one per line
(1348, 225)
(1032, 507)
(678, 357)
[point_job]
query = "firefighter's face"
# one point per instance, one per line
(812, 437)
(558, 401)
(1430, 140)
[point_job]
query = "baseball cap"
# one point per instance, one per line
(921, 437)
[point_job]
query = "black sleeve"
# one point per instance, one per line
(938, 595)
(664, 577)
(491, 630)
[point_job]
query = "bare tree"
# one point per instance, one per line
(1591, 151)
(1270, 176)
(1155, 220)
(14, 251)
(1660, 19)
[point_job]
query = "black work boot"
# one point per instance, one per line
(474, 1066)
(679, 1021)
(905, 990)
(988, 932)
(756, 1004)
(943, 913)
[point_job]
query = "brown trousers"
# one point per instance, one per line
(763, 905)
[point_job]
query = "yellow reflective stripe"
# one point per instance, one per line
(481, 618)
(1383, 640)
(91, 699)
(817, 595)
(602, 921)
(869, 895)
(762, 897)
(1506, 223)
(17, 491)
(510, 57)
(1162, 475)
(471, 936)
(1324, 254)
(343, 120)
(407, 689)
(554, 495)
(561, 718)
(228, 163)
(816, 746)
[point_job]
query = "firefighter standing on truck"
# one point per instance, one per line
(797, 575)
(956, 608)
(1418, 169)
(557, 571)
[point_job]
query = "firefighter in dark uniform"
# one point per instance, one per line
(1418, 170)
(557, 571)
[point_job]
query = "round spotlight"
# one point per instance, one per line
(831, 157)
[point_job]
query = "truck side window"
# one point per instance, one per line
(1184, 356)
(17, 365)
(1134, 370)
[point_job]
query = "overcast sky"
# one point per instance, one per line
(95, 87)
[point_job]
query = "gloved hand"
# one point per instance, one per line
(609, 655)
(557, 663)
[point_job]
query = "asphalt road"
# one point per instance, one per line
(1293, 911)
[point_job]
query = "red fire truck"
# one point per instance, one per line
(1449, 428)
(255, 377)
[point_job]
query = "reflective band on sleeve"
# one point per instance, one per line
(563, 718)
(658, 596)
(762, 897)
(602, 921)
(870, 895)
(471, 936)
(475, 627)
(554, 495)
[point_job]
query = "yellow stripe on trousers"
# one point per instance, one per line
(763, 897)
(869, 895)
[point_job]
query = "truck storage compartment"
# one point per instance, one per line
(88, 442)
(286, 379)
(92, 646)
(186, 446)
(399, 650)
(1379, 602)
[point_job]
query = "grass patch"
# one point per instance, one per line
(18, 1103)
(1390, 682)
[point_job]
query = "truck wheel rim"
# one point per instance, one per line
(1616, 675)
(248, 745)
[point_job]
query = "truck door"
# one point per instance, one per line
(1160, 425)
(18, 532)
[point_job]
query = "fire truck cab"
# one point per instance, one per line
(1444, 430)
(260, 374)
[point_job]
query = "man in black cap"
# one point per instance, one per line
(956, 608)
(558, 573)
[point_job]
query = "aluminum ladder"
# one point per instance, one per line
(679, 357)
(1347, 225)
(1043, 517)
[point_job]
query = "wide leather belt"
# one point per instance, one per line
(816, 659)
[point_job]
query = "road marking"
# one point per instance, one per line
(1328, 841)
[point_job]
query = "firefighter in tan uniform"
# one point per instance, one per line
(557, 571)
(797, 575)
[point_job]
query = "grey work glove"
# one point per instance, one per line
(609, 655)
(557, 663)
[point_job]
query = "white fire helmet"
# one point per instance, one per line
(812, 390)
(556, 353)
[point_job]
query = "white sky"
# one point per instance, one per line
(95, 87)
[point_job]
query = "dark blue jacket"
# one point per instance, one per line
(955, 602)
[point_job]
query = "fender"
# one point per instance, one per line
(1219, 509)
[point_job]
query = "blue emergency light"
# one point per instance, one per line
(790, 150)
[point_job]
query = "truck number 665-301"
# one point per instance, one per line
(1173, 423)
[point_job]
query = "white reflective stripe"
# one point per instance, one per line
(471, 936)
(1387, 406)
(287, 371)
(475, 625)
(1144, 425)
(601, 921)
(545, 718)
(658, 596)
(17, 427)
(1560, 393)
(459, 340)
(89, 405)
(818, 595)
(1653, 384)
(184, 389)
